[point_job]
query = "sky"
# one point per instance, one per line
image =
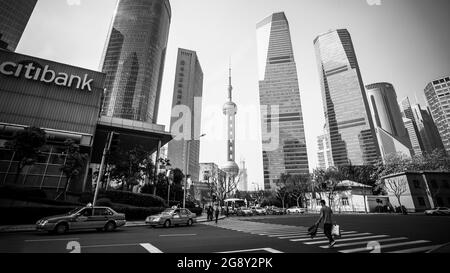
(404, 42)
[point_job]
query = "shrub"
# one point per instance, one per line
(104, 202)
(21, 193)
(29, 215)
(137, 213)
(197, 211)
(134, 199)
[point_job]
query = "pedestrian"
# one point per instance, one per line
(217, 211)
(210, 213)
(325, 216)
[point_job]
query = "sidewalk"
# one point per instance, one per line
(28, 228)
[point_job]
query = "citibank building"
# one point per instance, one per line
(62, 100)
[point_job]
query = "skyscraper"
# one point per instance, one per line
(243, 177)
(391, 133)
(188, 91)
(324, 152)
(437, 94)
(284, 147)
(347, 114)
(427, 129)
(411, 126)
(14, 17)
(134, 59)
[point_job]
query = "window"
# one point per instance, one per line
(344, 201)
(416, 184)
(100, 212)
(182, 62)
(434, 184)
(421, 201)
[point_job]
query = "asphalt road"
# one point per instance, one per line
(270, 234)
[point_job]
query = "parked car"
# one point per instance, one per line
(259, 211)
(243, 211)
(438, 211)
(277, 211)
(100, 218)
(172, 217)
(295, 210)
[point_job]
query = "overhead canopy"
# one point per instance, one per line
(349, 183)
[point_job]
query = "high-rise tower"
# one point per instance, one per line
(411, 125)
(14, 17)
(283, 135)
(347, 113)
(134, 59)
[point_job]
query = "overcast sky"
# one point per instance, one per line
(404, 42)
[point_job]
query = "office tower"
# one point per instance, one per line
(14, 17)
(324, 152)
(347, 114)
(188, 90)
(413, 131)
(230, 111)
(428, 131)
(391, 133)
(134, 59)
(437, 94)
(283, 136)
(243, 177)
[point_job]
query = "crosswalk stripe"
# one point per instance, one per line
(417, 249)
(305, 235)
(324, 237)
(348, 239)
(151, 248)
(384, 246)
(365, 242)
(284, 234)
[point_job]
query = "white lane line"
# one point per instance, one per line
(151, 248)
(102, 246)
(177, 235)
(267, 249)
(384, 246)
(324, 237)
(292, 236)
(366, 241)
(286, 234)
(276, 232)
(349, 239)
(50, 240)
(417, 249)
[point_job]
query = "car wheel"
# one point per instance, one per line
(110, 226)
(61, 228)
(167, 224)
(190, 222)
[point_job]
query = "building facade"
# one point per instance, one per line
(134, 58)
(184, 150)
(283, 136)
(63, 100)
(392, 135)
(14, 17)
(411, 125)
(347, 114)
(437, 94)
(325, 160)
(428, 131)
(243, 177)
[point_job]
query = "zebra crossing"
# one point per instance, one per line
(351, 241)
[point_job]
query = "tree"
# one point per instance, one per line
(26, 145)
(397, 187)
(74, 163)
(299, 186)
(282, 193)
(328, 181)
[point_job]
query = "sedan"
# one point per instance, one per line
(295, 210)
(243, 211)
(99, 218)
(259, 211)
(438, 211)
(172, 217)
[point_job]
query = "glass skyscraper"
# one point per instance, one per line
(348, 120)
(14, 17)
(134, 59)
(411, 125)
(279, 89)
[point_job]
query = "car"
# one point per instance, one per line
(295, 210)
(172, 217)
(276, 210)
(438, 211)
(259, 211)
(243, 211)
(99, 218)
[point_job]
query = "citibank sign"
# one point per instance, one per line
(35, 72)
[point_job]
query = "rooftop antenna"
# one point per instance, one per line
(230, 86)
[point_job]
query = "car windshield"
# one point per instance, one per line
(168, 211)
(73, 211)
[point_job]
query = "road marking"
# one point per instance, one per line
(151, 248)
(50, 240)
(366, 241)
(177, 235)
(309, 236)
(270, 250)
(324, 237)
(417, 249)
(102, 246)
(384, 246)
(348, 239)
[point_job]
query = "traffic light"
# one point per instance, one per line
(115, 142)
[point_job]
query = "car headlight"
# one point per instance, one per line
(42, 223)
(156, 219)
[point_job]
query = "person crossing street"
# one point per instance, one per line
(325, 216)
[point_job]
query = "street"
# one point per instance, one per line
(263, 234)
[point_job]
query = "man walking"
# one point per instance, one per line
(325, 216)
(217, 211)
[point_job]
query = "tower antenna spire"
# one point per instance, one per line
(230, 86)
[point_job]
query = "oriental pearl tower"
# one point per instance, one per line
(230, 110)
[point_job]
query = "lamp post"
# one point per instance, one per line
(188, 144)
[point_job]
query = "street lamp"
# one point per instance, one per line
(188, 144)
